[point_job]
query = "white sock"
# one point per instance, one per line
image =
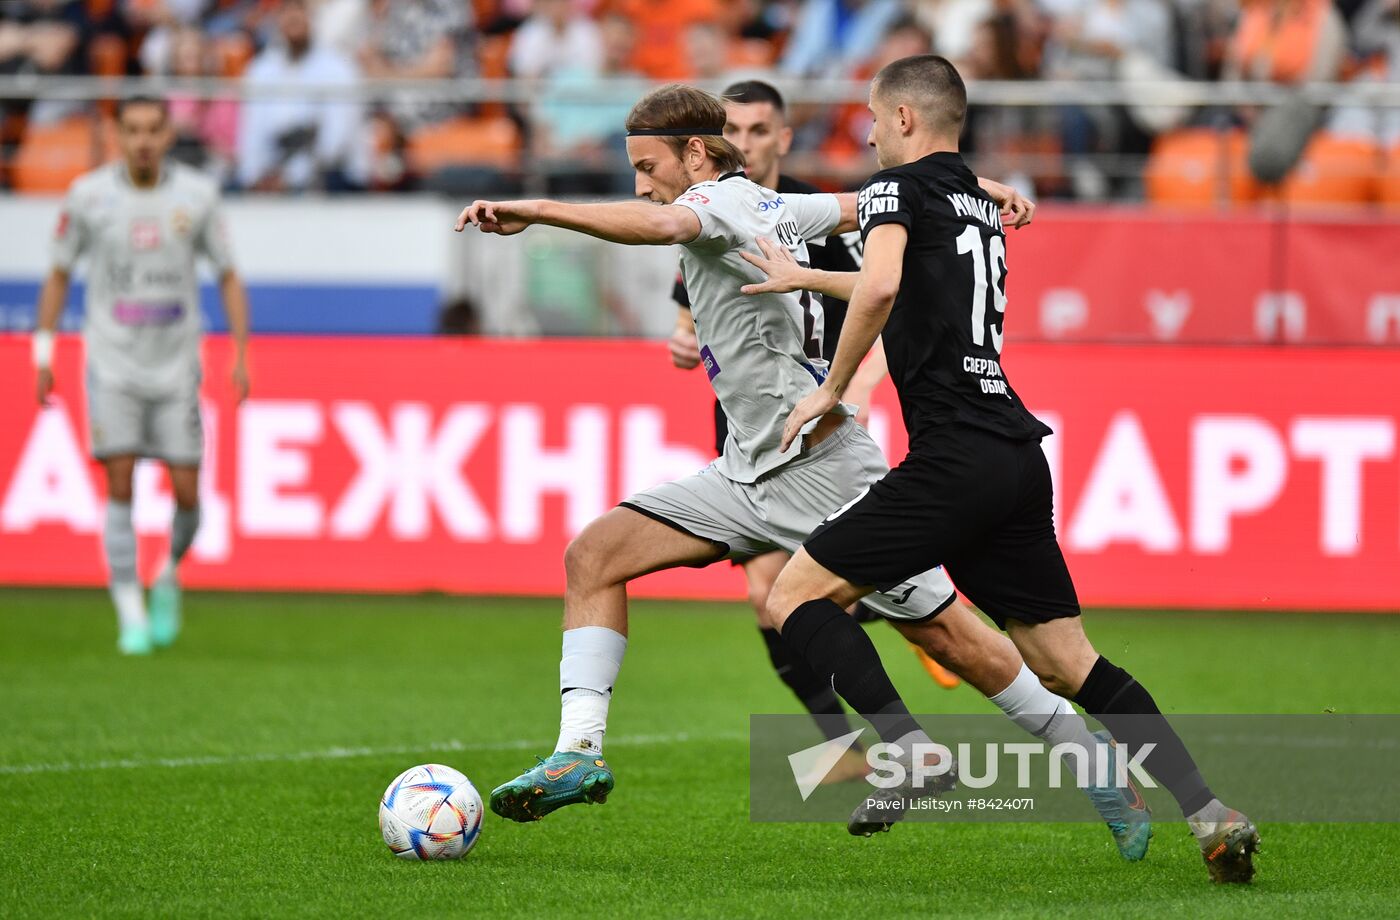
(183, 528)
(131, 604)
(119, 547)
(119, 543)
(588, 667)
(1049, 717)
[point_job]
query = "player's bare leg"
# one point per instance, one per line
(119, 547)
(957, 640)
(165, 591)
(1060, 653)
(614, 549)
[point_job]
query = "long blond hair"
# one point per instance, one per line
(677, 107)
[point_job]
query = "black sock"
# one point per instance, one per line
(1126, 709)
(839, 652)
(816, 694)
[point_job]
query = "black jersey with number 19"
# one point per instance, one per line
(944, 335)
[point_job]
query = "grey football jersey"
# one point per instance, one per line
(143, 323)
(762, 353)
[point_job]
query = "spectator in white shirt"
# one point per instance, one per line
(555, 36)
(296, 143)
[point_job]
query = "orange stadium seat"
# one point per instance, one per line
(1199, 167)
(50, 157)
(464, 141)
(1333, 172)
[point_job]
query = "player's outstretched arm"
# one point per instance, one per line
(235, 297)
(786, 274)
(849, 220)
(52, 297)
(632, 223)
(880, 275)
(1016, 209)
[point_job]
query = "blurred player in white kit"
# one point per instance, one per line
(142, 222)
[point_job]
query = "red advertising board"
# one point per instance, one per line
(1130, 275)
(1187, 477)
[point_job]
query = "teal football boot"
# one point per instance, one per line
(164, 610)
(134, 640)
(566, 778)
(1122, 809)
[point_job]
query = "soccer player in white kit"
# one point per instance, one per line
(142, 222)
(760, 357)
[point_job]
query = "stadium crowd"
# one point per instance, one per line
(589, 59)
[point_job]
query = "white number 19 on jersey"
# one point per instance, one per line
(970, 241)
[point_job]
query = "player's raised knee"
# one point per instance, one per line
(585, 557)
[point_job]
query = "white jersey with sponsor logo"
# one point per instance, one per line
(762, 353)
(143, 323)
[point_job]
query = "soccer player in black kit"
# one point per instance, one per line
(974, 493)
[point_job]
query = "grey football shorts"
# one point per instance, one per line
(784, 506)
(167, 427)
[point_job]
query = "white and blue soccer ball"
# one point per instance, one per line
(430, 812)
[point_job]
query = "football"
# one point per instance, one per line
(430, 812)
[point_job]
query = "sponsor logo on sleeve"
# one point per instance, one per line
(877, 198)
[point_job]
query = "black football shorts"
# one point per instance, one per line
(979, 504)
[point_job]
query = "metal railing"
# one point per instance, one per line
(1034, 93)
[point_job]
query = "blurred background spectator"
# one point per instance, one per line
(42, 38)
(297, 143)
(555, 36)
(418, 40)
(341, 25)
(1377, 43)
(661, 25)
(849, 130)
(1287, 41)
(1092, 42)
(832, 38)
(577, 134)
(206, 130)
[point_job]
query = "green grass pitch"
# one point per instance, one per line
(239, 773)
